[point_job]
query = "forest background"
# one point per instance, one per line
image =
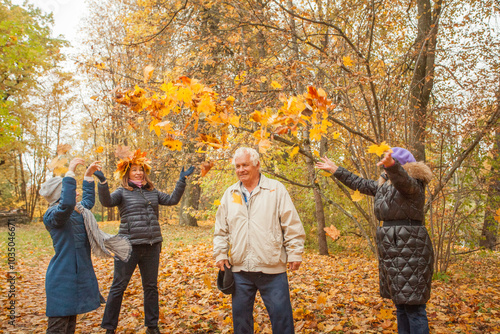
(189, 81)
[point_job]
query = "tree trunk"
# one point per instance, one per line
(318, 203)
(190, 201)
(489, 232)
(423, 75)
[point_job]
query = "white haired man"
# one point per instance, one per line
(257, 232)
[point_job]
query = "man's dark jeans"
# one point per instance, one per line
(275, 293)
(412, 319)
(148, 259)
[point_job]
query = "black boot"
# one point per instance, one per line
(153, 330)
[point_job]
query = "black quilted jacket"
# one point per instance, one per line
(405, 252)
(139, 210)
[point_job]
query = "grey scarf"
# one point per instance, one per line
(101, 243)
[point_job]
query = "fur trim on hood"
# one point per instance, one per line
(418, 170)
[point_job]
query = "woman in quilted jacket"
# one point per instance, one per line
(405, 251)
(138, 202)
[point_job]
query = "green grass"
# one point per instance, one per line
(33, 241)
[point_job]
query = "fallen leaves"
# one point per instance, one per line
(330, 294)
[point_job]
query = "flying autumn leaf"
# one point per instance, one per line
(497, 215)
(172, 144)
(275, 85)
(325, 173)
(321, 299)
(264, 145)
(63, 148)
(379, 149)
(99, 149)
(347, 61)
(148, 73)
(356, 196)
(295, 150)
(332, 232)
(205, 167)
(57, 164)
(216, 202)
(122, 152)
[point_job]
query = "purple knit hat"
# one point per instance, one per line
(402, 155)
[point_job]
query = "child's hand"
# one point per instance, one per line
(387, 160)
(74, 163)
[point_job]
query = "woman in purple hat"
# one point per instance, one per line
(405, 251)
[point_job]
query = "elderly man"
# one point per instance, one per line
(257, 232)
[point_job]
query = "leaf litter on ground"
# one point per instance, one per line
(330, 294)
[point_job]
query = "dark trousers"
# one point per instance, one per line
(62, 325)
(412, 319)
(275, 293)
(148, 259)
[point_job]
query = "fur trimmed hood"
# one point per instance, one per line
(417, 170)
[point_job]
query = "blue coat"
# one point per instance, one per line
(70, 284)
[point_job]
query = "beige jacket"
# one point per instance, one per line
(264, 236)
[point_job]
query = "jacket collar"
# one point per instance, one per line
(264, 183)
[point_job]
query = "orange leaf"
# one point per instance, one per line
(332, 232)
(205, 167)
(148, 73)
(99, 149)
(356, 196)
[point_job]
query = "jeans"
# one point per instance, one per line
(62, 325)
(274, 291)
(148, 259)
(412, 319)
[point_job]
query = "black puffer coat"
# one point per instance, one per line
(405, 252)
(139, 210)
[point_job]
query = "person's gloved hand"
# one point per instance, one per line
(186, 173)
(100, 176)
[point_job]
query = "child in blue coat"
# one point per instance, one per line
(70, 283)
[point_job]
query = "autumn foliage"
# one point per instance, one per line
(335, 294)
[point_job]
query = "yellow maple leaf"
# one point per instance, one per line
(230, 99)
(275, 85)
(379, 149)
(385, 314)
(60, 170)
(356, 196)
(347, 61)
(237, 198)
(99, 149)
(208, 281)
(321, 299)
(295, 150)
(316, 153)
(336, 135)
(315, 134)
(234, 120)
(172, 144)
(216, 202)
